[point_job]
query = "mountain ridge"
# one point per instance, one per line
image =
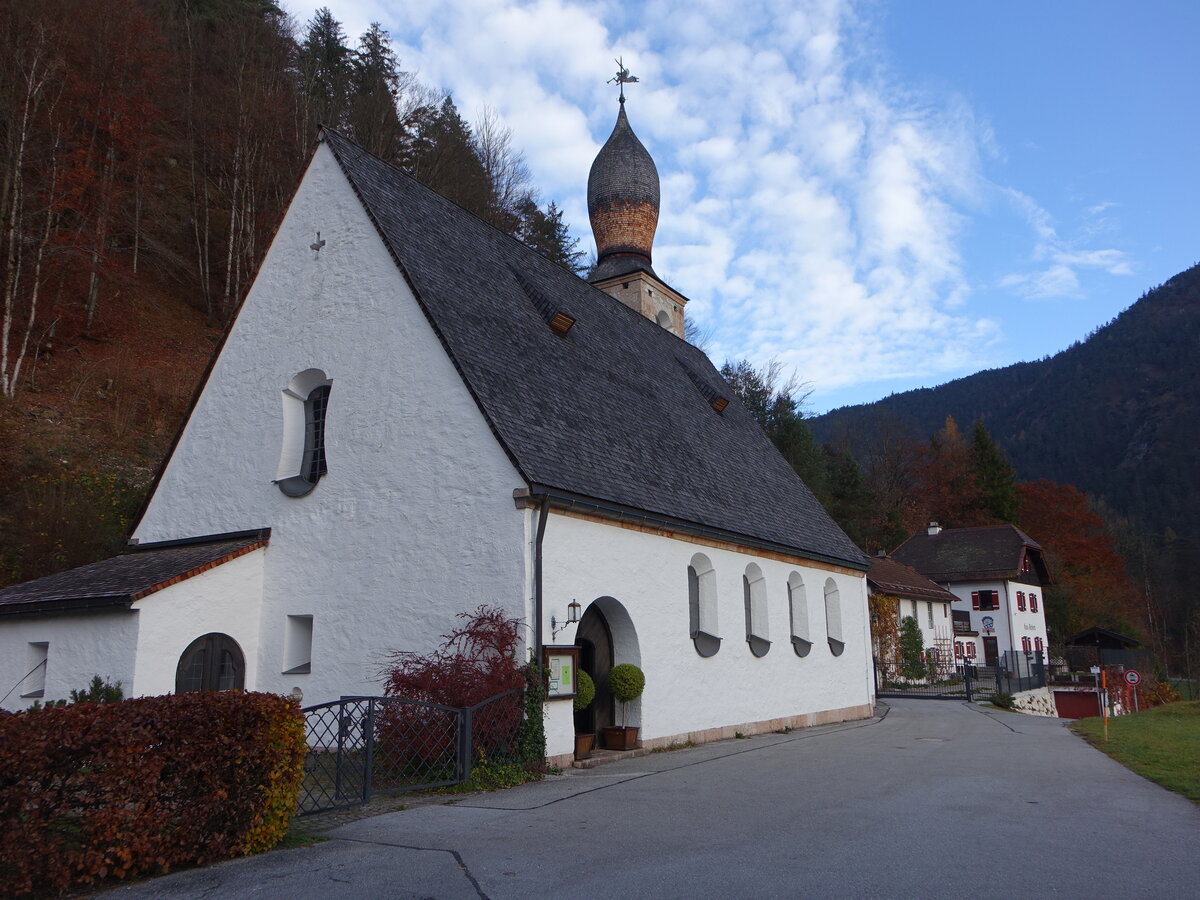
(1116, 414)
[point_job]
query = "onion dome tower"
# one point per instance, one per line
(623, 205)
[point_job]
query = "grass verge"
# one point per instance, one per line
(1161, 744)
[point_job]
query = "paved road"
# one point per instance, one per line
(930, 800)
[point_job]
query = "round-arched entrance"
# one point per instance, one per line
(212, 662)
(605, 637)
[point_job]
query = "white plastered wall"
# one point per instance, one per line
(225, 599)
(415, 520)
(80, 646)
(685, 693)
(1010, 624)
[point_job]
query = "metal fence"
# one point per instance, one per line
(1013, 672)
(360, 746)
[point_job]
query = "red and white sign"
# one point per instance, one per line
(1133, 676)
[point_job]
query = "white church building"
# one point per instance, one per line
(414, 414)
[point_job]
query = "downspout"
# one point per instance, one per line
(537, 579)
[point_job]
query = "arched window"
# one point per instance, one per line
(302, 458)
(798, 608)
(754, 597)
(833, 617)
(213, 662)
(702, 605)
(664, 319)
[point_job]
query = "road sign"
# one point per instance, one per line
(1133, 676)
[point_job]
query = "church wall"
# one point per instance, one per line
(414, 521)
(225, 599)
(78, 647)
(688, 696)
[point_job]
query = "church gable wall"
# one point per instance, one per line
(414, 520)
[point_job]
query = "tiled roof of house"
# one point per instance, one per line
(619, 411)
(886, 576)
(971, 554)
(119, 581)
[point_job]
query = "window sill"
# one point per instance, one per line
(302, 669)
(33, 695)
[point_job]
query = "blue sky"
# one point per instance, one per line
(879, 195)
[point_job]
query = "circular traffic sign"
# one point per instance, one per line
(1133, 676)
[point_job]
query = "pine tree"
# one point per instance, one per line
(995, 477)
(325, 70)
(375, 84)
(547, 233)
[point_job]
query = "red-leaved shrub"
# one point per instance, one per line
(95, 790)
(476, 661)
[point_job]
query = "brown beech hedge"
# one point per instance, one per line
(100, 790)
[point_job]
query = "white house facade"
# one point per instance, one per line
(998, 575)
(413, 415)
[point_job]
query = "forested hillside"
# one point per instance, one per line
(1116, 416)
(147, 151)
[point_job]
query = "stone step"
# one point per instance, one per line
(602, 757)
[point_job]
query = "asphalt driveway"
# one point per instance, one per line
(929, 800)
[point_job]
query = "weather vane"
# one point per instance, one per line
(622, 77)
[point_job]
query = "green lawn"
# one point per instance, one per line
(1162, 744)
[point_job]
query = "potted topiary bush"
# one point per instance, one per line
(585, 693)
(626, 682)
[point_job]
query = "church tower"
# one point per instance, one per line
(623, 204)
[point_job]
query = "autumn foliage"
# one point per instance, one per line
(103, 790)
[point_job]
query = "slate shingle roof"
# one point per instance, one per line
(607, 412)
(971, 554)
(886, 576)
(119, 581)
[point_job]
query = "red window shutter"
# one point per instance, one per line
(1021, 601)
(974, 599)
(1033, 603)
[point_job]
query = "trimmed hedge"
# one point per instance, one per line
(99, 790)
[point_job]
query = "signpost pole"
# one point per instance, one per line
(1104, 699)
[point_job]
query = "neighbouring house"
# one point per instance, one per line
(998, 576)
(911, 594)
(413, 414)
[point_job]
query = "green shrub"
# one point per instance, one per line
(98, 790)
(912, 666)
(99, 691)
(1005, 701)
(586, 692)
(626, 682)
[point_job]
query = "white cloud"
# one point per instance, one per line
(812, 210)
(1060, 260)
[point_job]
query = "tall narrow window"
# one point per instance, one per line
(833, 617)
(1033, 607)
(302, 459)
(34, 684)
(754, 591)
(798, 607)
(1020, 601)
(929, 611)
(702, 605)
